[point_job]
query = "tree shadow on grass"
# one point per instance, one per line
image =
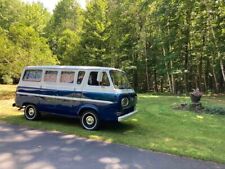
(75, 122)
(48, 121)
(117, 127)
(67, 121)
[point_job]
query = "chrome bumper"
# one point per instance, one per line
(126, 116)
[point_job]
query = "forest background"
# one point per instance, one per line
(167, 46)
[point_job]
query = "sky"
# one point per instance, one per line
(50, 4)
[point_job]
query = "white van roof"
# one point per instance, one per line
(71, 67)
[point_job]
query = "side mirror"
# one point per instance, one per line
(99, 77)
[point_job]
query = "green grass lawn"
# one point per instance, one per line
(156, 127)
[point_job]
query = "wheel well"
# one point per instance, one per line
(86, 109)
(26, 103)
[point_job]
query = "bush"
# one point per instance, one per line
(214, 110)
(7, 79)
(198, 108)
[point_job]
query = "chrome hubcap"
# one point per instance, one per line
(31, 112)
(90, 120)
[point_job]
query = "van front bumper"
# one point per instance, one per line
(126, 116)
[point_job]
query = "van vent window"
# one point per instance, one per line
(80, 77)
(67, 77)
(32, 75)
(50, 76)
(92, 80)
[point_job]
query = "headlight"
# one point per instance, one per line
(124, 102)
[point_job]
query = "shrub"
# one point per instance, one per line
(214, 110)
(198, 108)
(7, 79)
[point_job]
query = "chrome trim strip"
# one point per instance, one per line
(126, 116)
(64, 98)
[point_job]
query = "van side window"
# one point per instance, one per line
(32, 75)
(80, 77)
(67, 77)
(92, 80)
(105, 80)
(50, 76)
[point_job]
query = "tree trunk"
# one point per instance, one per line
(200, 74)
(222, 69)
(161, 85)
(187, 43)
(155, 81)
(167, 72)
(215, 79)
(172, 78)
(135, 74)
(146, 65)
(168, 78)
(201, 87)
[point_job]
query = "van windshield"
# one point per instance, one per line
(119, 79)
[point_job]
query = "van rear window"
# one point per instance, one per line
(32, 75)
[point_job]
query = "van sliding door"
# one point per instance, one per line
(69, 96)
(48, 98)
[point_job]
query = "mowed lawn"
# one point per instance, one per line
(156, 127)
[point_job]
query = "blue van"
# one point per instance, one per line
(94, 94)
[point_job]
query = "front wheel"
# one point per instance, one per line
(89, 120)
(31, 112)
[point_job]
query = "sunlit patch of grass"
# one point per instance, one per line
(157, 126)
(95, 137)
(7, 88)
(7, 91)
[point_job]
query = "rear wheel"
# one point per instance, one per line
(89, 120)
(31, 112)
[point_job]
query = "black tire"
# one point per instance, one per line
(31, 112)
(89, 120)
